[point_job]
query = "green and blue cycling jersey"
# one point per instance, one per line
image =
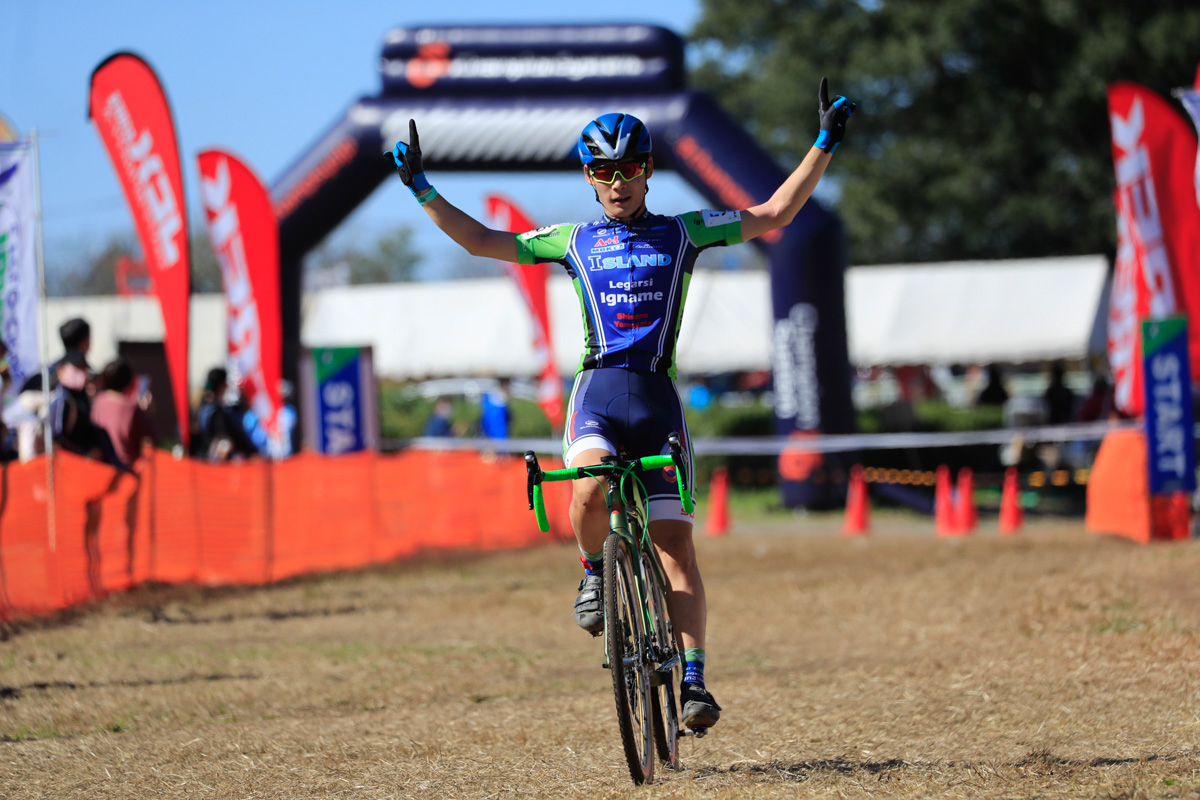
(632, 279)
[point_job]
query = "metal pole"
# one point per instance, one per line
(44, 344)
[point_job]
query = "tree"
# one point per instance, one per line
(87, 269)
(91, 269)
(390, 258)
(206, 270)
(982, 127)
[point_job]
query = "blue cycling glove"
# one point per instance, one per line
(407, 160)
(833, 118)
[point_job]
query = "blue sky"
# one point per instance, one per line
(262, 79)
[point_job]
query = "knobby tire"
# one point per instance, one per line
(627, 659)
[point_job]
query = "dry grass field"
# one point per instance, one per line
(1056, 664)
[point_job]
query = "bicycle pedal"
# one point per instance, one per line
(604, 665)
(699, 732)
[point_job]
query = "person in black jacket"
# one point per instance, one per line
(220, 435)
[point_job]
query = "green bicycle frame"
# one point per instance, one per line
(620, 476)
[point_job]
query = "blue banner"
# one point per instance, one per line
(339, 390)
(470, 59)
(1169, 443)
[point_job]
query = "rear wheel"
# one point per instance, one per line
(628, 660)
(665, 686)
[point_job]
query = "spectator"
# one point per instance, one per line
(699, 395)
(71, 411)
(1098, 405)
(76, 337)
(70, 405)
(7, 450)
(289, 417)
(221, 434)
(27, 416)
(208, 423)
(288, 440)
(237, 407)
(5, 373)
(8, 444)
(441, 421)
(994, 393)
(1059, 399)
(494, 421)
(120, 411)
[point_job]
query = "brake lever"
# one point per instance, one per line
(533, 475)
(677, 456)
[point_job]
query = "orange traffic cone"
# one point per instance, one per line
(858, 505)
(718, 503)
(966, 516)
(943, 503)
(1011, 516)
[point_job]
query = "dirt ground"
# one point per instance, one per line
(1054, 664)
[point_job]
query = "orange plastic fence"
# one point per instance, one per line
(184, 521)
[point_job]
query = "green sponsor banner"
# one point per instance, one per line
(330, 360)
(1159, 333)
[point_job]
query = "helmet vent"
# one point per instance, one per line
(614, 137)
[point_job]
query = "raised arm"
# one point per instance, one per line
(787, 200)
(474, 237)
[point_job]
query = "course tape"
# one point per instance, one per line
(817, 443)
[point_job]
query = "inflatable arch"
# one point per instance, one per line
(461, 83)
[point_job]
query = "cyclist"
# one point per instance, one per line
(631, 270)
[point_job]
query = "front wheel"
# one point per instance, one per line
(628, 659)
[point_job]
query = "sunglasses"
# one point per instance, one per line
(626, 170)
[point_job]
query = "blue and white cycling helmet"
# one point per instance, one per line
(614, 137)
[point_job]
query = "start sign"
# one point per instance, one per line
(1168, 387)
(341, 414)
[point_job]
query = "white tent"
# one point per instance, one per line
(952, 313)
(973, 312)
(963, 312)
(480, 327)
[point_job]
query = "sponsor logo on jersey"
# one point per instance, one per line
(627, 285)
(715, 219)
(630, 321)
(613, 298)
(628, 262)
(539, 233)
(607, 240)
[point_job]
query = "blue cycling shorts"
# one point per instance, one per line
(630, 412)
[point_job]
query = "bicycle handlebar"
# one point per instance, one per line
(536, 476)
